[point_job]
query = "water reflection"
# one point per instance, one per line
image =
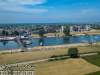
(4, 42)
(41, 40)
(66, 38)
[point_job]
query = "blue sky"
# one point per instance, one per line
(49, 11)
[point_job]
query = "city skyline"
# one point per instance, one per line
(49, 11)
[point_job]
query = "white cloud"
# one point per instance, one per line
(17, 6)
(27, 2)
(87, 10)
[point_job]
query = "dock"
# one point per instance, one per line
(20, 44)
(7, 38)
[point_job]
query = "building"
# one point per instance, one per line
(71, 29)
(57, 30)
(36, 32)
(87, 27)
(75, 28)
(50, 30)
(62, 29)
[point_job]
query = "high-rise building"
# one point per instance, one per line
(87, 27)
(62, 29)
(71, 28)
(75, 28)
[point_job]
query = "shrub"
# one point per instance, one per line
(73, 52)
(50, 60)
(54, 56)
(56, 59)
(63, 58)
(53, 59)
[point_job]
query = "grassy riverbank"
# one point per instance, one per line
(36, 55)
(53, 46)
(9, 50)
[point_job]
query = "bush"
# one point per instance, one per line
(50, 60)
(63, 58)
(73, 52)
(56, 59)
(53, 59)
(54, 56)
(98, 52)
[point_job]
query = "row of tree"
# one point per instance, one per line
(5, 33)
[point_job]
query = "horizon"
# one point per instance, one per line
(58, 23)
(49, 11)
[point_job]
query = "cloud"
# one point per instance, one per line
(18, 6)
(27, 2)
(87, 10)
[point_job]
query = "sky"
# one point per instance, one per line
(49, 11)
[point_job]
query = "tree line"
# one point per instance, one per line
(5, 33)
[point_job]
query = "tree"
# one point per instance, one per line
(66, 31)
(41, 32)
(6, 33)
(21, 33)
(55, 34)
(3, 32)
(16, 33)
(73, 52)
(32, 29)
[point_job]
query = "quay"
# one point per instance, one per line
(13, 38)
(18, 38)
(7, 38)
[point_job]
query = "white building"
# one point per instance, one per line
(62, 29)
(87, 27)
(75, 28)
(71, 28)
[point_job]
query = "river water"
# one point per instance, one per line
(50, 41)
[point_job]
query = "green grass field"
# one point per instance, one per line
(94, 73)
(94, 59)
(36, 55)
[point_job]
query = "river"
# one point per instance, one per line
(49, 41)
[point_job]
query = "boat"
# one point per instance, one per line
(84, 41)
(28, 42)
(41, 44)
(21, 51)
(95, 37)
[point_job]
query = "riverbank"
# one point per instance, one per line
(13, 50)
(50, 47)
(44, 54)
(63, 46)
